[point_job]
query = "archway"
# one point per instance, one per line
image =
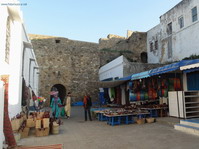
(62, 91)
(144, 57)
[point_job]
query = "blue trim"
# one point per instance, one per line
(192, 121)
(125, 78)
(191, 70)
(187, 126)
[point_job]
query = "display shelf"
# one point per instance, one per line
(190, 96)
(192, 111)
(191, 104)
(184, 104)
(192, 116)
(193, 107)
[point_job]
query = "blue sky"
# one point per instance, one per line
(89, 20)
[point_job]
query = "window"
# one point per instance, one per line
(156, 45)
(170, 47)
(194, 14)
(7, 49)
(57, 41)
(181, 21)
(151, 46)
(169, 28)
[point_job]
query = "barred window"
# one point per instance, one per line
(156, 45)
(169, 28)
(181, 21)
(7, 48)
(194, 14)
(151, 46)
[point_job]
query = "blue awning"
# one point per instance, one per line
(141, 75)
(190, 68)
(172, 67)
(125, 78)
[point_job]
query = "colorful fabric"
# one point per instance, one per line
(55, 106)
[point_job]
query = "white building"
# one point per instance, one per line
(112, 70)
(17, 58)
(177, 35)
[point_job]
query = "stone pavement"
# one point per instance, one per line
(75, 133)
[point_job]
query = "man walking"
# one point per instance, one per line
(87, 106)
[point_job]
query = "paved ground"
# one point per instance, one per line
(77, 134)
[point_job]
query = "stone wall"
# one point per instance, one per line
(131, 48)
(110, 41)
(73, 64)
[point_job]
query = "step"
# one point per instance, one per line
(190, 122)
(187, 129)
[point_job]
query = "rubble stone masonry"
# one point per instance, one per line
(75, 64)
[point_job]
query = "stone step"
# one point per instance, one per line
(190, 122)
(187, 129)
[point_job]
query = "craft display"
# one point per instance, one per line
(152, 89)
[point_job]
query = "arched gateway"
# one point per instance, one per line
(62, 91)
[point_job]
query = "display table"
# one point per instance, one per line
(101, 116)
(123, 118)
(155, 112)
(118, 119)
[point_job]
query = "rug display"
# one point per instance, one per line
(55, 146)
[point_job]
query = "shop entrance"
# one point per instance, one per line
(62, 91)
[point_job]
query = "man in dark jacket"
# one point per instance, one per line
(87, 106)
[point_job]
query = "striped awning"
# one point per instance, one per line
(141, 75)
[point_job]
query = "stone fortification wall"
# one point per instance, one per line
(131, 48)
(73, 64)
(110, 41)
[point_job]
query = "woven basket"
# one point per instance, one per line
(30, 123)
(24, 133)
(17, 136)
(40, 132)
(16, 123)
(55, 128)
(46, 122)
(140, 121)
(150, 120)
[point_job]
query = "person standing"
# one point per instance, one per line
(68, 105)
(87, 106)
(55, 104)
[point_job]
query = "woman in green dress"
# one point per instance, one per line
(55, 104)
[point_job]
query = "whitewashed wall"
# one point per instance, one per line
(184, 40)
(17, 49)
(1, 113)
(153, 35)
(113, 69)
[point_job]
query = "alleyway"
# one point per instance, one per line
(77, 134)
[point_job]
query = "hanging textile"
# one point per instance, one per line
(106, 95)
(7, 128)
(118, 95)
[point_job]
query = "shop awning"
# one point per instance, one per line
(172, 67)
(190, 68)
(141, 75)
(126, 78)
